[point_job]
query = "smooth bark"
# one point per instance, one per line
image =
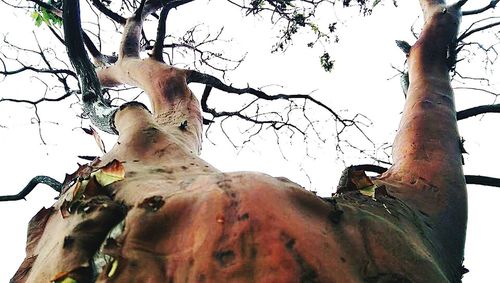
(170, 216)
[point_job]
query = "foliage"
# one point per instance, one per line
(326, 62)
(42, 15)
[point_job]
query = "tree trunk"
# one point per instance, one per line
(151, 210)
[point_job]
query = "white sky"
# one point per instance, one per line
(357, 84)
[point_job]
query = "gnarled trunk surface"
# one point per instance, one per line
(162, 214)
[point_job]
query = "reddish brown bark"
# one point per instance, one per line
(427, 171)
(174, 217)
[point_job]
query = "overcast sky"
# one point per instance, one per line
(358, 84)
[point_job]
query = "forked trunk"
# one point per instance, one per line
(151, 210)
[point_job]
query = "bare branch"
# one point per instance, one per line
(482, 180)
(38, 70)
(160, 35)
(478, 89)
(35, 102)
(51, 182)
(470, 32)
(198, 77)
(99, 110)
(467, 113)
(112, 15)
(209, 80)
(370, 168)
(276, 124)
(99, 58)
(460, 3)
(491, 5)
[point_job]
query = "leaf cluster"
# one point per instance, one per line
(326, 62)
(42, 15)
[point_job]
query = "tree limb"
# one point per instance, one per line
(469, 179)
(275, 124)
(160, 34)
(209, 80)
(130, 43)
(48, 7)
(157, 53)
(96, 54)
(464, 114)
(491, 5)
(35, 102)
(198, 77)
(100, 112)
(53, 183)
(370, 168)
(112, 15)
(30, 68)
(482, 180)
(470, 32)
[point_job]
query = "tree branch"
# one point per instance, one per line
(112, 15)
(470, 32)
(209, 80)
(130, 43)
(54, 184)
(35, 102)
(96, 54)
(370, 168)
(276, 124)
(482, 180)
(464, 114)
(48, 7)
(100, 58)
(100, 112)
(469, 179)
(160, 34)
(491, 5)
(46, 71)
(198, 77)
(157, 53)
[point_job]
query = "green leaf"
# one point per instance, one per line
(69, 280)
(368, 191)
(34, 15)
(38, 20)
(43, 15)
(375, 3)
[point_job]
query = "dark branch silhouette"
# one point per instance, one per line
(109, 13)
(472, 31)
(100, 112)
(51, 182)
(160, 35)
(482, 180)
(483, 109)
(491, 5)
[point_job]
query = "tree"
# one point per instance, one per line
(432, 214)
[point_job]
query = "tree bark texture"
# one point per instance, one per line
(169, 216)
